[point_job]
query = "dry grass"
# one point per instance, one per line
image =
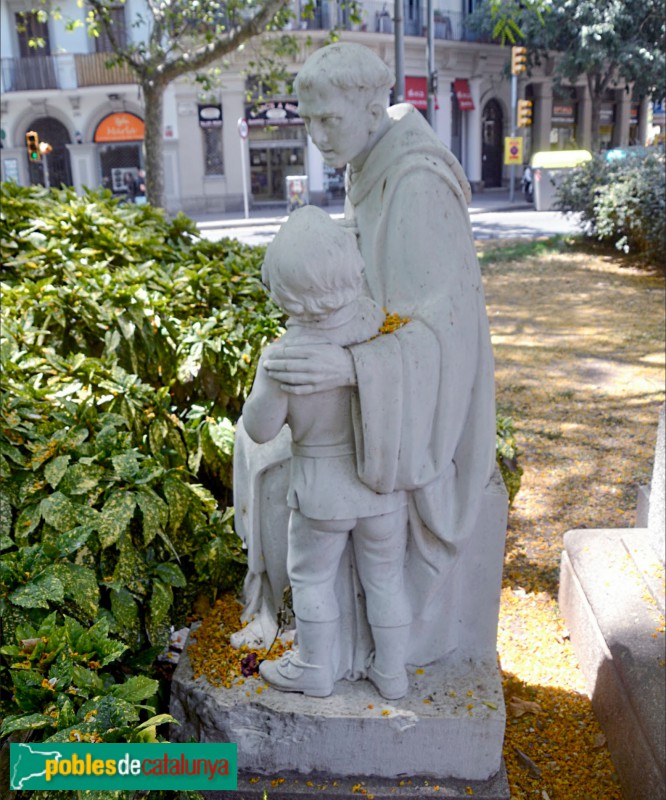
(579, 349)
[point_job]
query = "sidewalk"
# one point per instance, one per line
(490, 200)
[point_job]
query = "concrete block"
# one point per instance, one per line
(611, 596)
(657, 509)
(642, 506)
(456, 733)
(321, 787)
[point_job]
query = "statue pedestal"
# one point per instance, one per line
(449, 726)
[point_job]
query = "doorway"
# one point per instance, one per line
(120, 165)
(492, 121)
(55, 167)
(269, 167)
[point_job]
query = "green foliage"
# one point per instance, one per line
(518, 250)
(64, 684)
(621, 201)
(506, 454)
(128, 346)
(505, 16)
(599, 39)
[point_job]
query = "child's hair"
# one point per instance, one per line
(313, 264)
(345, 66)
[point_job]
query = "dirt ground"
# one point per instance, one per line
(579, 349)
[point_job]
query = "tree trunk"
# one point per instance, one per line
(595, 121)
(153, 143)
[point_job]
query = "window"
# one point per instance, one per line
(32, 26)
(213, 159)
(102, 42)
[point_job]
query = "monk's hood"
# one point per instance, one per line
(408, 136)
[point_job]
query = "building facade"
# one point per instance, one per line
(92, 115)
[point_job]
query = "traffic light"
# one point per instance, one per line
(32, 143)
(518, 60)
(524, 114)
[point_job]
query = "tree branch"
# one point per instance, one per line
(205, 55)
(124, 54)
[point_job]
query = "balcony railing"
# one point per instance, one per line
(55, 72)
(33, 72)
(91, 70)
(377, 17)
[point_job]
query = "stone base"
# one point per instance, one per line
(450, 725)
(320, 787)
(612, 598)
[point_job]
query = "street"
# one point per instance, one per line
(486, 224)
(521, 224)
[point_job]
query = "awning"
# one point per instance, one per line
(463, 94)
(119, 127)
(416, 93)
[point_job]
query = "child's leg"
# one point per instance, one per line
(313, 557)
(314, 552)
(379, 545)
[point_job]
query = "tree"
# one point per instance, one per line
(178, 37)
(607, 41)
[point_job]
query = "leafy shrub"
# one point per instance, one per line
(64, 685)
(506, 454)
(621, 201)
(128, 346)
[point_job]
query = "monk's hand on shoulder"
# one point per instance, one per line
(305, 369)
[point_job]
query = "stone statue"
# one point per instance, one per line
(313, 270)
(423, 396)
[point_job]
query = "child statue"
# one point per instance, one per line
(314, 272)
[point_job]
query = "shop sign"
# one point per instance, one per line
(416, 92)
(11, 169)
(210, 116)
(564, 112)
(513, 150)
(606, 114)
(463, 94)
(274, 112)
(633, 114)
(120, 127)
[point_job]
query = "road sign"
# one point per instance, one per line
(513, 149)
(243, 129)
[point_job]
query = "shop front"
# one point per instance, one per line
(563, 134)
(606, 124)
(119, 136)
(277, 142)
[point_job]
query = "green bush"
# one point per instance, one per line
(506, 455)
(621, 201)
(128, 347)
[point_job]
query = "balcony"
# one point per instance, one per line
(91, 70)
(25, 74)
(65, 71)
(377, 17)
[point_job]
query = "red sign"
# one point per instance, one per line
(463, 94)
(416, 93)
